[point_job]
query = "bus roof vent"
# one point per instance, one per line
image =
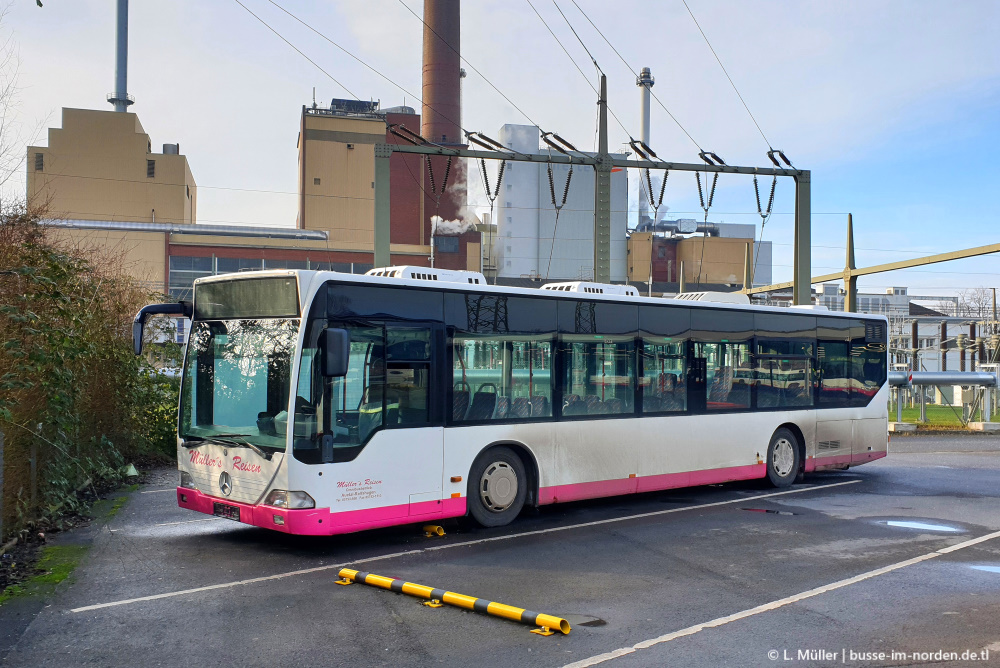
(593, 288)
(721, 297)
(429, 274)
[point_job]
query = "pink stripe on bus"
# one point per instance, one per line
(651, 483)
(320, 521)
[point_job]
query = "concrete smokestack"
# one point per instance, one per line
(644, 82)
(120, 98)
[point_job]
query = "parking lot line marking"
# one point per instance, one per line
(448, 546)
(207, 519)
(774, 605)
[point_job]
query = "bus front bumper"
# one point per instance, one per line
(308, 522)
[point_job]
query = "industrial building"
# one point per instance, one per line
(713, 254)
(104, 187)
(530, 243)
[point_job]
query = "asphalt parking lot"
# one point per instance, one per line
(898, 556)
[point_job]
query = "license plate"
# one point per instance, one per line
(227, 511)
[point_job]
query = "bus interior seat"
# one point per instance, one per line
(462, 401)
(614, 406)
(539, 406)
(740, 394)
(484, 403)
(520, 408)
(503, 407)
(721, 384)
(575, 408)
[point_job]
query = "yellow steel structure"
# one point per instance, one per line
(850, 273)
(436, 597)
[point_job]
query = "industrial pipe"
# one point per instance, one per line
(546, 622)
(711, 229)
(213, 230)
(923, 378)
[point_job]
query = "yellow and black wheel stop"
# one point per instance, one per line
(548, 624)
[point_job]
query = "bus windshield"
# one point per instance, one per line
(236, 381)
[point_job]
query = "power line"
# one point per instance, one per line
(573, 30)
(310, 27)
(592, 87)
(280, 36)
(719, 60)
(636, 74)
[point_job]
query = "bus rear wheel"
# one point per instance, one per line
(783, 460)
(498, 486)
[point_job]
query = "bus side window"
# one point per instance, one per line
(729, 375)
(664, 375)
(501, 379)
(833, 361)
(598, 376)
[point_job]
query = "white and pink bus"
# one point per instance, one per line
(325, 403)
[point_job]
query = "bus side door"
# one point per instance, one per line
(697, 384)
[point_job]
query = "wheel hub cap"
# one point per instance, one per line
(784, 457)
(498, 486)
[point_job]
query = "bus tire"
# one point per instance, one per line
(783, 458)
(498, 485)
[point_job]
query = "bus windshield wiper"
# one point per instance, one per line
(229, 439)
(243, 442)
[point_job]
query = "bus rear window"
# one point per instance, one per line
(247, 298)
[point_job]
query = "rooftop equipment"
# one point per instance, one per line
(593, 288)
(429, 274)
(721, 297)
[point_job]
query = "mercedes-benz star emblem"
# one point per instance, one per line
(225, 483)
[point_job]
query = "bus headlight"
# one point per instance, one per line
(294, 500)
(187, 481)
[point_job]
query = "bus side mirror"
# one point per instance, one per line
(137, 331)
(181, 308)
(336, 347)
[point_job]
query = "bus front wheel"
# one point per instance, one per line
(783, 458)
(498, 486)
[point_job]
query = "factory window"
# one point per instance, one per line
(446, 244)
(315, 182)
(150, 169)
(39, 162)
(183, 271)
(508, 186)
(508, 203)
(509, 219)
(229, 265)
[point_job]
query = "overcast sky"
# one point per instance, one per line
(894, 106)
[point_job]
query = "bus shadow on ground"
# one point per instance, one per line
(411, 536)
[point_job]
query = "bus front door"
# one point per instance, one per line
(414, 360)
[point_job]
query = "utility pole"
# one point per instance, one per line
(850, 280)
(602, 193)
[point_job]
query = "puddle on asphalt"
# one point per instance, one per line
(584, 620)
(922, 526)
(988, 569)
(768, 510)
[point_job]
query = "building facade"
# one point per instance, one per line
(533, 241)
